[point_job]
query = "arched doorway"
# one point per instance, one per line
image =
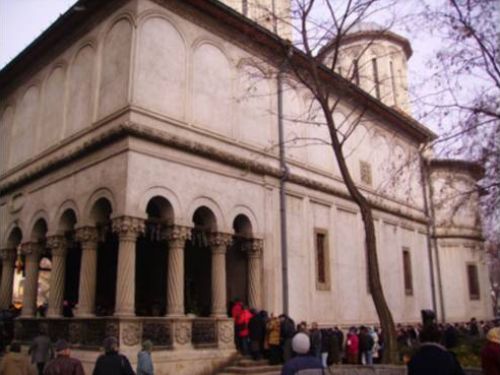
(152, 260)
(107, 257)
(237, 260)
(73, 262)
(197, 264)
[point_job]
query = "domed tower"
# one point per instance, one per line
(261, 11)
(376, 60)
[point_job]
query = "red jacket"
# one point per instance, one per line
(490, 358)
(352, 343)
(236, 311)
(242, 322)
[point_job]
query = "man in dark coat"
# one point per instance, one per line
(41, 350)
(111, 362)
(433, 358)
(63, 364)
(257, 333)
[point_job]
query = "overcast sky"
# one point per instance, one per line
(21, 21)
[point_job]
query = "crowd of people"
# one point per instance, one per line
(45, 358)
(262, 335)
(424, 348)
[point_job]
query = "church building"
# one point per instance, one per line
(145, 179)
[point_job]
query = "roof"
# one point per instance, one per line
(70, 23)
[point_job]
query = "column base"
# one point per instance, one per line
(84, 315)
(54, 315)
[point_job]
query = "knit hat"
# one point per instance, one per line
(494, 335)
(61, 345)
(301, 343)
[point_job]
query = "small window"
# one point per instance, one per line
(322, 260)
(365, 171)
(376, 78)
(473, 282)
(407, 272)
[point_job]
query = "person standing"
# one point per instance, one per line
(490, 355)
(63, 364)
(273, 339)
(41, 350)
(432, 358)
(112, 362)
(315, 335)
(144, 360)
(16, 363)
(365, 346)
(352, 347)
(301, 344)
(257, 332)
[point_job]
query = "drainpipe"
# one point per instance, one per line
(424, 181)
(284, 176)
(432, 238)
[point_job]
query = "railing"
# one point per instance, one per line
(165, 333)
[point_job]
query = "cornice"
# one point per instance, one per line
(131, 129)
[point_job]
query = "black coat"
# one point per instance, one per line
(257, 328)
(434, 359)
(113, 363)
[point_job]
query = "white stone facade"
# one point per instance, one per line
(159, 102)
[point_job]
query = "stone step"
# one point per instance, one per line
(259, 369)
(246, 362)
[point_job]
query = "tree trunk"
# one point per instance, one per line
(383, 311)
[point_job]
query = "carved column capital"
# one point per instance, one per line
(8, 255)
(57, 245)
(219, 241)
(255, 248)
(31, 249)
(128, 228)
(177, 235)
(86, 236)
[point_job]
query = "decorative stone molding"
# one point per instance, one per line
(177, 235)
(31, 249)
(219, 241)
(132, 334)
(255, 249)
(86, 235)
(129, 128)
(128, 228)
(182, 332)
(57, 245)
(226, 332)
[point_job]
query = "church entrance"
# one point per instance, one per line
(197, 264)
(237, 262)
(152, 261)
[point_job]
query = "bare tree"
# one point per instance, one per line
(322, 26)
(465, 98)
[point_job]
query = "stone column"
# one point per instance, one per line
(218, 243)
(58, 248)
(32, 251)
(176, 237)
(87, 236)
(254, 253)
(128, 229)
(8, 257)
